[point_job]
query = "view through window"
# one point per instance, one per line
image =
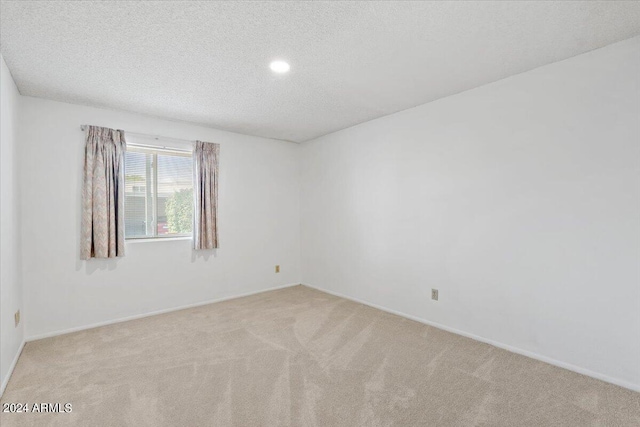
(158, 193)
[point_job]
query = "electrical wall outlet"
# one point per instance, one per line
(16, 317)
(434, 294)
(277, 269)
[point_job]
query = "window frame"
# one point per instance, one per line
(154, 150)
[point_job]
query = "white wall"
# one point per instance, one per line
(10, 286)
(518, 200)
(258, 224)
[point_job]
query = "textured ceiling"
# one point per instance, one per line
(207, 62)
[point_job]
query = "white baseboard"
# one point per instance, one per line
(152, 313)
(568, 366)
(5, 381)
(583, 371)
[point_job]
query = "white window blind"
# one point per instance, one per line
(158, 193)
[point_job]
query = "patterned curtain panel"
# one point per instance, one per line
(103, 194)
(205, 190)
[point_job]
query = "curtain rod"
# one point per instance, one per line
(146, 135)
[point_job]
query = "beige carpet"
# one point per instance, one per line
(299, 357)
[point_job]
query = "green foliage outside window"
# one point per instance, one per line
(179, 210)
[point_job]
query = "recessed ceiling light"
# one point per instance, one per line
(279, 67)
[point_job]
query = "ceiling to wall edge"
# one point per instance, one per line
(221, 129)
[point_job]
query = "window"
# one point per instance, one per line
(158, 198)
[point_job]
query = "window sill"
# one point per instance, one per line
(157, 239)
